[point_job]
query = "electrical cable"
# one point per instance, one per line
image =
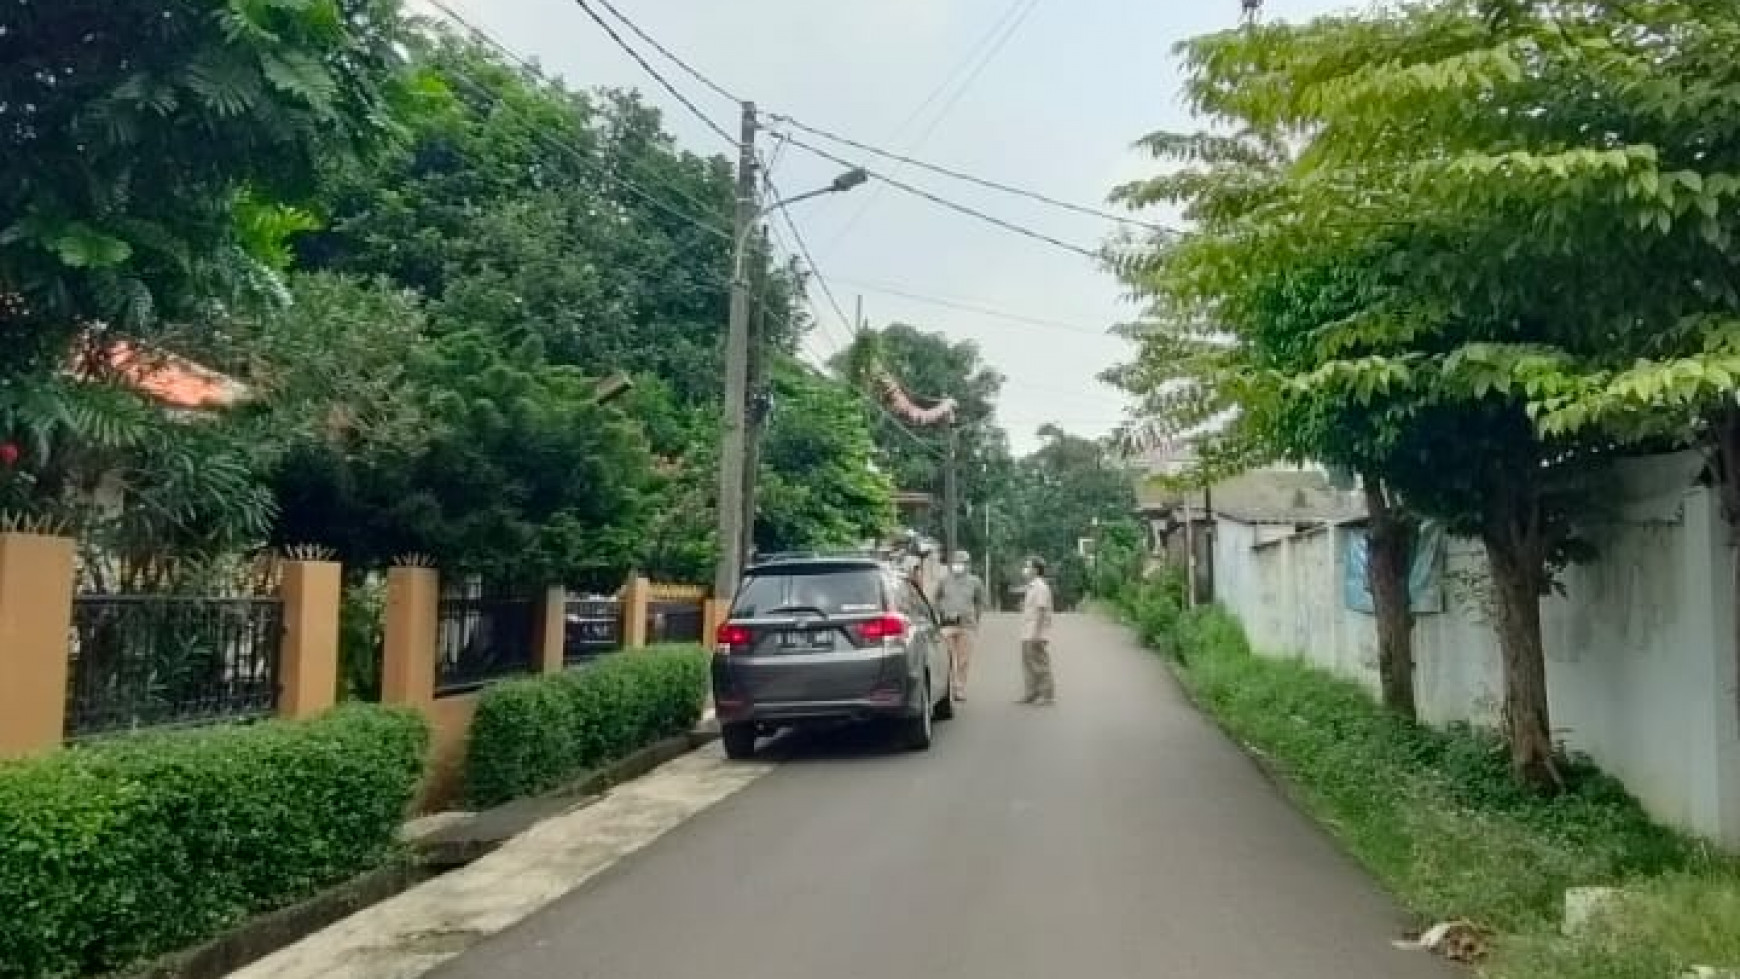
(788, 319)
(682, 65)
(579, 156)
(987, 48)
(955, 206)
(803, 247)
(989, 184)
(646, 65)
(967, 306)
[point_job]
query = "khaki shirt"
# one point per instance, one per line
(1036, 612)
(960, 599)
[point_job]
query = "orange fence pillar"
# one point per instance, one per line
(636, 597)
(552, 636)
(308, 668)
(714, 612)
(36, 594)
(408, 659)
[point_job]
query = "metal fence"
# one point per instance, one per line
(673, 622)
(480, 638)
(591, 627)
(139, 661)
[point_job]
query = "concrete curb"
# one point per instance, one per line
(259, 937)
(467, 839)
(453, 845)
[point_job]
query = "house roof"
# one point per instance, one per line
(172, 381)
(1267, 497)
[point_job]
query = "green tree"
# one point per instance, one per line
(528, 213)
(1067, 491)
(1216, 367)
(1457, 161)
(818, 487)
(521, 478)
(152, 156)
(931, 367)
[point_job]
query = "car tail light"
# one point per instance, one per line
(732, 635)
(886, 627)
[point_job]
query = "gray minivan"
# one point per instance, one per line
(821, 640)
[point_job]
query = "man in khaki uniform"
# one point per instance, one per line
(1036, 613)
(960, 602)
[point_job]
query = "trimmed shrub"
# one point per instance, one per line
(122, 850)
(533, 734)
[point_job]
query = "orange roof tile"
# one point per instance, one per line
(174, 382)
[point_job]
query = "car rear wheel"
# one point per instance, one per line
(945, 708)
(739, 740)
(916, 730)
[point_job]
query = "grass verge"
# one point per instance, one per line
(1435, 815)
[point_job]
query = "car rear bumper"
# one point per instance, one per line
(827, 712)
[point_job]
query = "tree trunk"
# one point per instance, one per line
(1727, 438)
(1516, 555)
(1390, 541)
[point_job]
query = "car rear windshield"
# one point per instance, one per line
(830, 590)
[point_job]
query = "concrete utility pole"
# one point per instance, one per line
(1213, 531)
(952, 492)
(760, 404)
(732, 428)
(736, 491)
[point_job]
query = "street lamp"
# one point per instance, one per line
(846, 182)
(736, 493)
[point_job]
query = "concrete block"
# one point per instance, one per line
(1583, 905)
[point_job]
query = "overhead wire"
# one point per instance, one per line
(985, 51)
(967, 306)
(955, 174)
(600, 168)
(646, 65)
(1022, 10)
(852, 328)
(803, 248)
(955, 206)
(788, 319)
(672, 57)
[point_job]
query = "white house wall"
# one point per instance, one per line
(1641, 651)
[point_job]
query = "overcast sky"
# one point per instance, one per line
(1052, 104)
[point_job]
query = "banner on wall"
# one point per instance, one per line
(1425, 574)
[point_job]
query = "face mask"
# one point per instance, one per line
(1027, 573)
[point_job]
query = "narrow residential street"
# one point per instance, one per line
(1116, 835)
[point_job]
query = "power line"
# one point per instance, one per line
(704, 79)
(971, 307)
(840, 311)
(482, 90)
(969, 178)
(955, 206)
(579, 156)
(654, 72)
(985, 51)
(682, 65)
(810, 260)
(597, 167)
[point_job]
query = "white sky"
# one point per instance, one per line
(1055, 110)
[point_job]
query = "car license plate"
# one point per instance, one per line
(806, 640)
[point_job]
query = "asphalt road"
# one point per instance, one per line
(1115, 835)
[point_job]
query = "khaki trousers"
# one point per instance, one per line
(1036, 669)
(960, 642)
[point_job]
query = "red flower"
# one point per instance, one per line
(9, 454)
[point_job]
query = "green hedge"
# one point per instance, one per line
(127, 849)
(532, 735)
